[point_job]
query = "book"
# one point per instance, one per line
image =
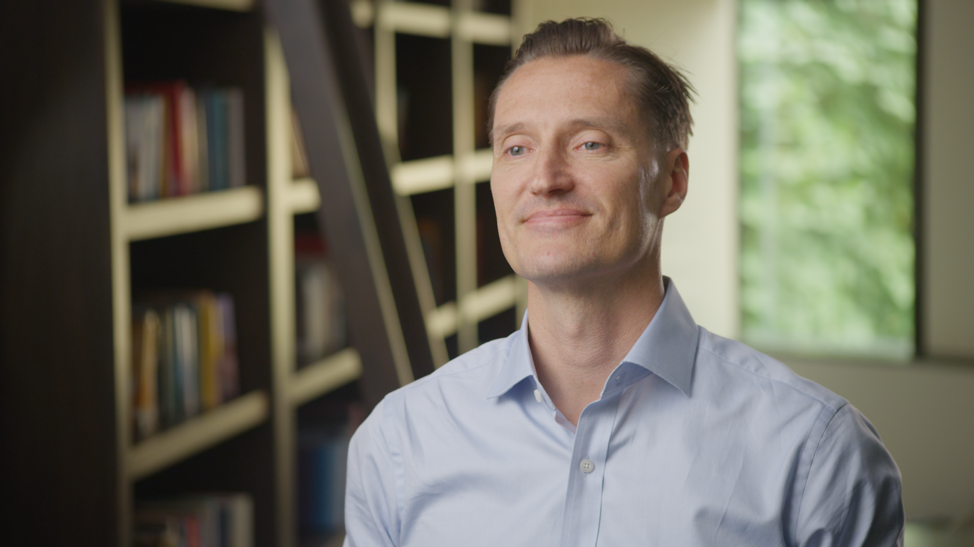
(320, 302)
(187, 142)
(210, 350)
(216, 127)
(170, 383)
(202, 146)
(236, 152)
(145, 360)
(322, 459)
(228, 372)
(187, 350)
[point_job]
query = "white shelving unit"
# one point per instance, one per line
(460, 171)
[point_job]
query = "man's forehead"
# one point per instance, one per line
(578, 66)
(578, 90)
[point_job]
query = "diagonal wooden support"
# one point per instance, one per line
(358, 209)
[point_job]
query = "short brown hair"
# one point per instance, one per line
(663, 94)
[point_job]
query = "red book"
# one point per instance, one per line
(175, 182)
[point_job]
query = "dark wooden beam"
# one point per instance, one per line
(57, 415)
(348, 215)
(352, 63)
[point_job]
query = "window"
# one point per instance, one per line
(827, 170)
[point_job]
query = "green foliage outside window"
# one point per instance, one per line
(827, 155)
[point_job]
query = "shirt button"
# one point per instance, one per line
(537, 395)
(587, 466)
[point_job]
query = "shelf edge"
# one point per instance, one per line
(485, 28)
(197, 434)
(481, 304)
(477, 165)
(193, 213)
(228, 5)
(490, 299)
(326, 375)
(442, 321)
(420, 176)
(415, 18)
(303, 196)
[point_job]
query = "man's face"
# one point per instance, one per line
(574, 178)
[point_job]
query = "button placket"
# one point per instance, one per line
(583, 507)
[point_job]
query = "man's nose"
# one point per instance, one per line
(552, 173)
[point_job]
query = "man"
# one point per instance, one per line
(610, 418)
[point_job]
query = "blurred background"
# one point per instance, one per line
(227, 305)
(825, 222)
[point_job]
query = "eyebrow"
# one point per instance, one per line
(602, 123)
(594, 123)
(505, 130)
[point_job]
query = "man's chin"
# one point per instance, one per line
(559, 274)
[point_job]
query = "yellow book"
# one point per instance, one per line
(210, 348)
(145, 361)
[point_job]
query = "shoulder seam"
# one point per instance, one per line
(825, 403)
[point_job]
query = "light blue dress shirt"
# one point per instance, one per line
(696, 440)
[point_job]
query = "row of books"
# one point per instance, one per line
(322, 458)
(203, 520)
(182, 141)
(321, 323)
(324, 431)
(184, 357)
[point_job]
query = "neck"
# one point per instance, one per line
(579, 335)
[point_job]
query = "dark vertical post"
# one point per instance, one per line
(57, 414)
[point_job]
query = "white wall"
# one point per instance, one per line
(700, 241)
(925, 411)
(948, 243)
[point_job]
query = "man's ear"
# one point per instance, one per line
(676, 173)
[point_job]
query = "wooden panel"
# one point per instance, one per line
(56, 356)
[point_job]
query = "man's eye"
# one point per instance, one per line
(516, 150)
(590, 146)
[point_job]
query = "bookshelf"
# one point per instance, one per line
(435, 65)
(76, 254)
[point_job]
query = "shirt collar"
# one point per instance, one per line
(519, 363)
(667, 347)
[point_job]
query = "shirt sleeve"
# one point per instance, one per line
(371, 506)
(852, 497)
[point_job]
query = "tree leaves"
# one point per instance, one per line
(827, 154)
